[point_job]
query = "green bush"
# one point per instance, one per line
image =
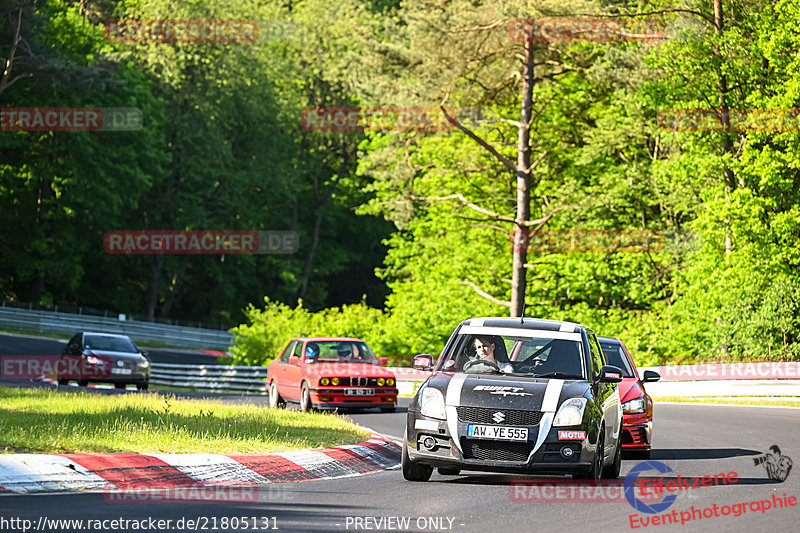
(267, 331)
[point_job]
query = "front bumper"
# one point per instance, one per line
(637, 437)
(337, 398)
(499, 456)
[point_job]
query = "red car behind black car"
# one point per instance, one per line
(637, 407)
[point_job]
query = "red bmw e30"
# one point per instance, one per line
(331, 372)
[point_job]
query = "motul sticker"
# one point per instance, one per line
(571, 435)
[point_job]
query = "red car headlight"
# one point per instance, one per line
(634, 406)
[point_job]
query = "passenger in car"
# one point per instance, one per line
(485, 350)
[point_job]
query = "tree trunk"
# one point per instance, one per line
(519, 272)
(311, 252)
(722, 99)
(152, 289)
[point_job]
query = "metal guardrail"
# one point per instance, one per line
(216, 378)
(139, 331)
(212, 378)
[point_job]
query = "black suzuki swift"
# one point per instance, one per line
(520, 396)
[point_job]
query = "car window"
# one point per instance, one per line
(340, 352)
(596, 355)
(284, 358)
(615, 355)
(112, 344)
(532, 356)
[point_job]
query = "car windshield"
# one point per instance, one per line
(112, 344)
(616, 356)
(536, 354)
(339, 352)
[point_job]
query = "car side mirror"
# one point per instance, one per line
(294, 360)
(383, 361)
(423, 362)
(650, 376)
(610, 374)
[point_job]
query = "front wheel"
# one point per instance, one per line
(63, 381)
(305, 399)
(142, 386)
(597, 461)
(612, 470)
(275, 400)
(413, 471)
(120, 385)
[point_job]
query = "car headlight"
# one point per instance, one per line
(432, 403)
(92, 360)
(636, 405)
(570, 413)
(144, 364)
(389, 381)
(335, 381)
(324, 381)
(381, 381)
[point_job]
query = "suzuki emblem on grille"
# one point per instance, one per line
(498, 416)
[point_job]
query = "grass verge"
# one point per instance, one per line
(730, 401)
(47, 421)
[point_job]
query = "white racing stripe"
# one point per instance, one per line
(549, 405)
(544, 428)
(451, 401)
(551, 395)
(520, 333)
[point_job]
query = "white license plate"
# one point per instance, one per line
(477, 431)
(123, 371)
(359, 392)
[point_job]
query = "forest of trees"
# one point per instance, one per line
(404, 232)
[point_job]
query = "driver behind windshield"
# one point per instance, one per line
(484, 349)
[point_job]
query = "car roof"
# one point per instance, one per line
(526, 323)
(614, 340)
(327, 339)
(98, 334)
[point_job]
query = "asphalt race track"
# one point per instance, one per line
(691, 440)
(25, 345)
